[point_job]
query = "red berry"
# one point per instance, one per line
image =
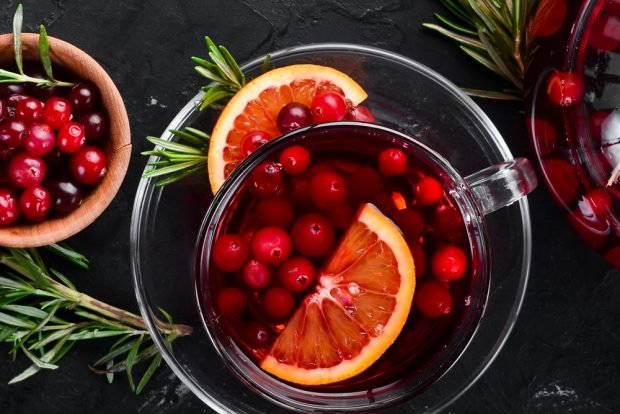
(433, 299)
(341, 215)
(449, 263)
(12, 133)
(66, 195)
(57, 112)
(411, 222)
(327, 189)
(295, 160)
(89, 165)
(364, 183)
(35, 203)
(545, 136)
(419, 258)
(447, 221)
(257, 334)
(231, 302)
(83, 96)
(252, 141)
(297, 274)
(392, 161)
(29, 110)
(274, 211)
(95, 124)
(40, 140)
(562, 178)
(328, 106)
(599, 202)
(565, 88)
(9, 207)
(266, 179)
(4, 110)
(271, 245)
(360, 113)
(71, 137)
(428, 191)
(299, 191)
(256, 274)
(292, 116)
(230, 252)
(313, 235)
(26, 170)
(278, 302)
(605, 33)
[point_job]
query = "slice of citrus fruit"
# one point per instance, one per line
(256, 106)
(361, 304)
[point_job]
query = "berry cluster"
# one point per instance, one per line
(50, 152)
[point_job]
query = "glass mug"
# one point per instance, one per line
(425, 349)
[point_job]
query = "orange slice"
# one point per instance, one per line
(256, 106)
(360, 306)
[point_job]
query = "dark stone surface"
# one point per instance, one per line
(564, 353)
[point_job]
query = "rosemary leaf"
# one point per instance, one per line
(175, 168)
(26, 311)
(115, 351)
(110, 375)
(67, 253)
(13, 321)
(63, 279)
(155, 363)
(198, 168)
(131, 357)
(453, 25)
(18, 20)
(465, 40)
(237, 74)
(176, 147)
(44, 52)
(481, 59)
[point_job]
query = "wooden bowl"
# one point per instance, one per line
(117, 145)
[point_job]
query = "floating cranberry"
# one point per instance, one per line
(71, 137)
(419, 258)
(297, 274)
(433, 299)
(299, 191)
(12, 133)
(271, 245)
(361, 114)
(66, 195)
(313, 235)
(231, 302)
(266, 179)
(57, 112)
(392, 161)
(40, 139)
(328, 106)
(29, 110)
(252, 141)
(256, 274)
(35, 203)
(274, 211)
(278, 302)
(449, 263)
(545, 136)
(83, 97)
(230, 251)
(562, 178)
(95, 124)
(9, 207)
(364, 183)
(89, 165)
(411, 223)
(327, 190)
(565, 88)
(257, 334)
(26, 170)
(295, 160)
(447, 222)
(292, 116)
(428, 191)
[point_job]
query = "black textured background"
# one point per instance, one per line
(564, 353)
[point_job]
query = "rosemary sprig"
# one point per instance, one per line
(7, 76)
(492, 32)
(43, 315)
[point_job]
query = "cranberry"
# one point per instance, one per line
(447, 221)
(360, 113)
(299, 191)
(271, 245)
(278, 302)
(230, 251)
(9, 207)
(89, 165)
(546, 136)
(26, 170)
(83, 97)
(252, 141)
(327, 189)
(231, 302)
(9, 89)
(297, 274)
(419, 258)
(257, 334)
(364, 183)
(599, 201)
(428, 191)
(392, 161)
(274, 211)
(71, 137)
(7, 153)
(328, 106)
(4, 110)
(292, 116)
(266, 179)
(565, 88)
(449, 263)
(95, 124)
(14, 100)
(40, 139)
(66, 195)
(341, 215)
(12, 133)
(411, 222)
(29, 110)
(295, 160)
(35, 203)
(313, 235)
(562, 179)
(256, 274)
(433, 299)
(57, 112)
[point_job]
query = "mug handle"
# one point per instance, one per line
(502, 184)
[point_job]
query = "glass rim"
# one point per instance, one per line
(146, 191)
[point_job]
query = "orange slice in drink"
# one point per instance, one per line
(256, 106)
(361, 304)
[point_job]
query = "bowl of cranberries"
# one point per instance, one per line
(64, 150)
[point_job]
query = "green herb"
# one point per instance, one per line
(12, 77)
(492, 32)
(43, 315)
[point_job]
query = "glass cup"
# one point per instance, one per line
(475, 196)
